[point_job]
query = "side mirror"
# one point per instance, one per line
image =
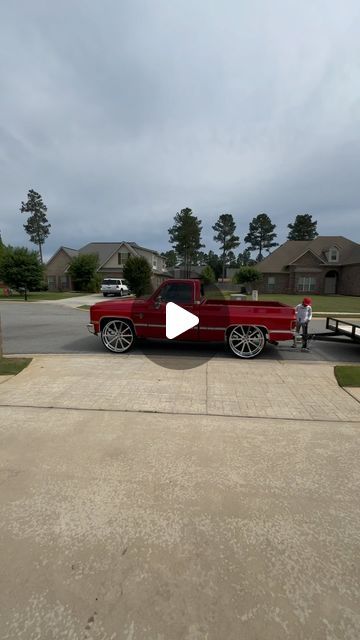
(157, 302)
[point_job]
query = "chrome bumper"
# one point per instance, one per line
(91, 328)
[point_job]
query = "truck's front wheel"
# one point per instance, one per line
(117, 336)
(246, 341)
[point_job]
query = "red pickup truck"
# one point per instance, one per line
(245, 326)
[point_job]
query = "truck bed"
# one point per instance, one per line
(247, 303)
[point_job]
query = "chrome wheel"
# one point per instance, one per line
(117, 336)
(246, 341)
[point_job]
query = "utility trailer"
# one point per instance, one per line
(338, 330)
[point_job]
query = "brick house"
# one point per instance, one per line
(327, 265)
(112, 257)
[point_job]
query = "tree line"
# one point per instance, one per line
(185, 238)
(22, 268)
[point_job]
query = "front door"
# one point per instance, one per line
(330, 283)
(182, 294)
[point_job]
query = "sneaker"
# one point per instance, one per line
(305, 349)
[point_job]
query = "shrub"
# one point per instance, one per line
(208, 275)
(247, 275)
(137, 272)
(82, 270)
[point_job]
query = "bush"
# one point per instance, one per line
(247, 275)
(208, 275)
(137, 272)
(21, 268)
(94, 284)
(82, 270)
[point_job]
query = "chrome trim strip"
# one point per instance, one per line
(162, 326)
(213, 328)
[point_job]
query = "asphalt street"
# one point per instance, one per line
(31, 328)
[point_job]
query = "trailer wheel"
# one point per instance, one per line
(246, 341)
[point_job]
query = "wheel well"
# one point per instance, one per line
(103, 321)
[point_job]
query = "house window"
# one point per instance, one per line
(271, 283)
(122, 257)
(51, 280)
(333, 254)
(154, 262)
(306, 284)
(64, 282)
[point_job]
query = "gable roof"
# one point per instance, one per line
(308, 250)
(127, 245)
(107, 249)
(70, 252)
(291, 250)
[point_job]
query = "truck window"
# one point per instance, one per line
(178, 292)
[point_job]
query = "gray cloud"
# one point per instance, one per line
(120, 114)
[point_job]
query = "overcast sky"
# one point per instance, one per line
(122, 112)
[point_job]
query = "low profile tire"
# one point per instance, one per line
(246, 341)
(117, 336)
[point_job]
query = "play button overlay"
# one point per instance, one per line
(178, 320)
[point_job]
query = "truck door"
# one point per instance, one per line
(182, 294)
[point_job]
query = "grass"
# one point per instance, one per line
(33, 296)
(348, 375)
(342, 304)
(320, 304)
(12, 366)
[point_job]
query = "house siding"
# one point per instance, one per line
(349, 280)
(55, 270)
(281, 283)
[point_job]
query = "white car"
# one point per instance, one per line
(115, 287)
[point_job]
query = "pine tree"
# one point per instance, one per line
(37, 226)
(185, 237)
(215, 263)
(170, 258)
(225, 235)
(261, 235)
(303, 228)
(244, 259)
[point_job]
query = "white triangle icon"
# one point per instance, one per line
(178, 320)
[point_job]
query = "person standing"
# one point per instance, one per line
(303, 316)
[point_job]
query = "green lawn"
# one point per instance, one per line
(33, 296)
(12, 366)
(321, 304)
(348, 375)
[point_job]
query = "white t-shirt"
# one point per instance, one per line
(303, 314)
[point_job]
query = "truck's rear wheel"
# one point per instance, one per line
(117, 336)
(246, 341)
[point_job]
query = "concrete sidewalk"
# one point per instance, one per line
(221, 386)
(117, 524)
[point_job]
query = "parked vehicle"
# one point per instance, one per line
(114, 286)
(245, 326)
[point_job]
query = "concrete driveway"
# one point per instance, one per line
(140, 503)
